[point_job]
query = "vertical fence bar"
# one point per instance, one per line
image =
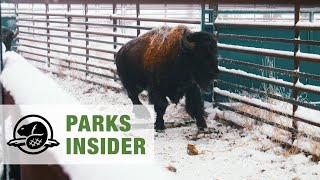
(17, 27)
(48, 32)
(5, 172)
(87, 36)
(210, 12)
(114, 11)
(138, 21)
(69, 33)
(216, 34)
(311, 33)
(203, 17)
(69, 25)
(33, 23)
(296, 65)
(165, 12)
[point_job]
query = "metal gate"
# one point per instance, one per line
(269, 69)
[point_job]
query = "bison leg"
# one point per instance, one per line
(194, 106)
(133, 93)
(134, 96)
(160, 106)
(140, 111)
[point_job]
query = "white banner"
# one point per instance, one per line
(77, 134)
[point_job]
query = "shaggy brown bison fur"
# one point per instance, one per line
(169, 62)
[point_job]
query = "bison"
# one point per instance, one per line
(7, 36)
(169, 62)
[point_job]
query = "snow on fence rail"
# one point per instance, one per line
(289, 113)
(86, 41)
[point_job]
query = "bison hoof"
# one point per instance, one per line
(201, 129)
(205, 130)
(160, 130)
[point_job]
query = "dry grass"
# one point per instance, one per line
(315, 151)
(277, 134)
(291, 151)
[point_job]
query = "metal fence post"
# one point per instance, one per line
(114, 11)
(215, 33)
(69, 33)
(165, 12)
(48, 33)
(296, 66)
(3, 130)
(311, 33)
(138, 21)
(87, 37)
(203, 17)
(17, 27)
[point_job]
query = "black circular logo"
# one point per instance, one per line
(33, 134)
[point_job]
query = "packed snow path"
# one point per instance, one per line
(226, 154)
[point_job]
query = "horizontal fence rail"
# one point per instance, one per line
(79, 39)
(87, 42)
(255, 100)
(281, 2)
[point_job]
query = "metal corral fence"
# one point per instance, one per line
(275, 97)
(81, 40)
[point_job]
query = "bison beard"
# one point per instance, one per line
(169, 62)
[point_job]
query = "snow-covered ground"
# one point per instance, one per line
(225, 154)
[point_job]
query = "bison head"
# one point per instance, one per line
(7, 36)
(202, 48)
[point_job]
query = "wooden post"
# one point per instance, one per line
(296, 66)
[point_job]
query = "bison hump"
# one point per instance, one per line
(162, 44)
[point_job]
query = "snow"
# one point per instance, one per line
(226, 153)
(257, 102)
(17, 69)
(243, 73)
(308, 55)
(307, 86)
(272, 80)
(28, 85)
(3, 50)
(248, 23)
(257, 50)
(308, 24)
(8, 15)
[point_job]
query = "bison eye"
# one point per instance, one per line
(22, 128)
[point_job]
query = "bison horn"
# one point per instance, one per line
(15, 33)
(186, 43)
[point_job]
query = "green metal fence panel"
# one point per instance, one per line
(307, 67)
